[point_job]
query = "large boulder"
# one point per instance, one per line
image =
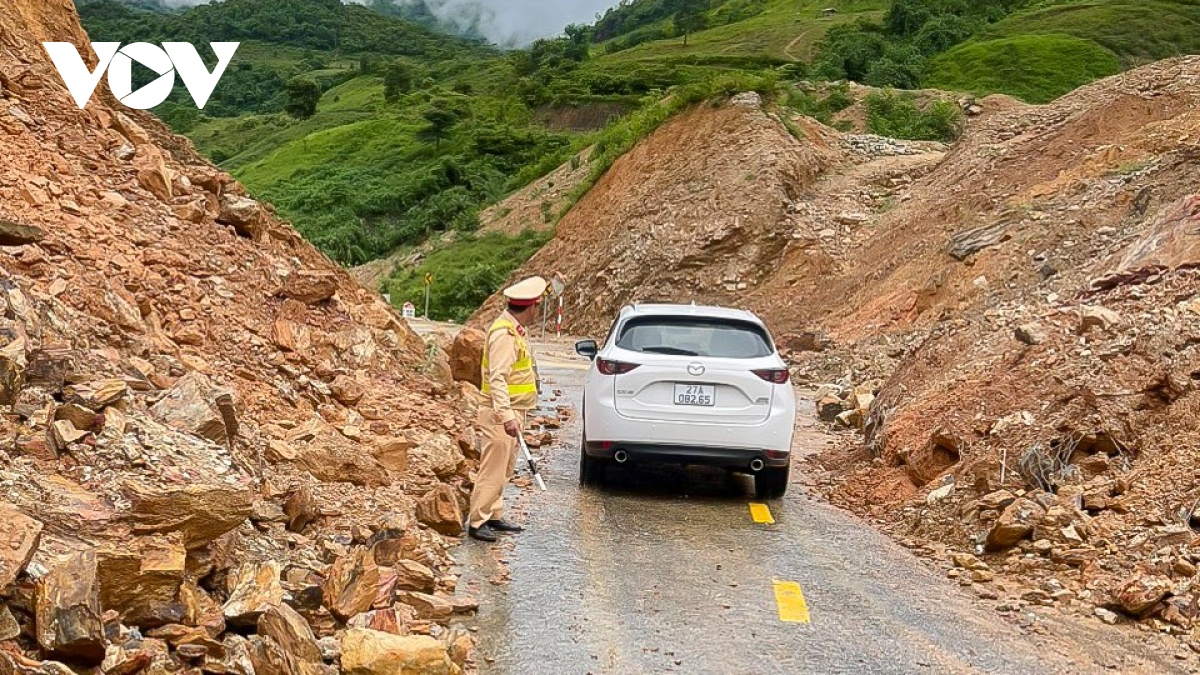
(351, 584)
(291, 632)
(255, 589)
(466, 356)
(19, 538)
(440, 454)
(196, 406)
(18, 234)
(141, 580)
(369, 652)
(248, 218)
(201, 511)
(68, 614)
(1141, 593)
(310, 287)
(1014, 524)
(13, 362)
(440, 510)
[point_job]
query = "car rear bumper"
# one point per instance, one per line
(730, 458)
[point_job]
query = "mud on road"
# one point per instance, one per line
(666, 571)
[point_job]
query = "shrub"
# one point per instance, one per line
(898, 115)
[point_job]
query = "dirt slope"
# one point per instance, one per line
(961, 287)
(700, 210)
(201, 412)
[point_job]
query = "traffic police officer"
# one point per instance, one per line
(510, 384)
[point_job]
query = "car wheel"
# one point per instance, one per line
(591, 470)
(771, 483)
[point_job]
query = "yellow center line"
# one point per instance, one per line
(761, 514)
(792, 606)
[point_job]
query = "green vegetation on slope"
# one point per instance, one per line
(1041, 54)
(465, 273)
(1035, 51)
(1034, 68)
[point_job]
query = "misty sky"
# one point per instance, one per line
(508, 23)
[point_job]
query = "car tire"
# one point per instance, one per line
(591, 470)
(772, 483)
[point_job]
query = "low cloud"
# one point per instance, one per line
(513, 23)
(508, 23)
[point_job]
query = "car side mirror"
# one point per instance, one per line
(587, 348)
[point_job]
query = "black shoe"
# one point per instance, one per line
(484, 533)
(503, 526)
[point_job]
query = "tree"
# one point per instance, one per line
(398, 80)
(303, 95)
(441, 118)
(579, 38)
(690, 16)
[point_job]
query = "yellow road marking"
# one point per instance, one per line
(761, 513)
(789, 597)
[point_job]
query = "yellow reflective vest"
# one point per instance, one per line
(509, 376)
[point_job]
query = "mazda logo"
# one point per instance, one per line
(696, 369)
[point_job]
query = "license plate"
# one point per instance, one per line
(695, 394)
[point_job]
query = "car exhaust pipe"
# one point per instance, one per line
(756, 465)
(621, 456)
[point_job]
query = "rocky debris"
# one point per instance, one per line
(13, 363)
(1096, 317)
(441, 511)
(1030, 333)
(346, 390)
(392, 454)
(310, 287)
(847, 406)
(369, 652)
(300, 509)
(184, 447)
(352, 584)
(68, 614)
(967, 244)
(466, 356)
(98, 395)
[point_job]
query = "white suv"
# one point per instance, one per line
(690, 385)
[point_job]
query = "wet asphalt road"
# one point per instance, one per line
(664, 571)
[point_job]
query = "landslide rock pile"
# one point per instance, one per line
(699, 210)
(1010, 321)
(217, 453)
(1046, 419)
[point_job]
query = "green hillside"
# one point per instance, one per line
(374, 133)
(1045, 52)
(778, 31)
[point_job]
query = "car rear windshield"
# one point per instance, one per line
(687, 336)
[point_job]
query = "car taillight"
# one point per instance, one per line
(780, 376)
(609, 367)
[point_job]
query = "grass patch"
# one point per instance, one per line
(465, 273)
(899, 115)
(1034, 68)
(820, 105)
